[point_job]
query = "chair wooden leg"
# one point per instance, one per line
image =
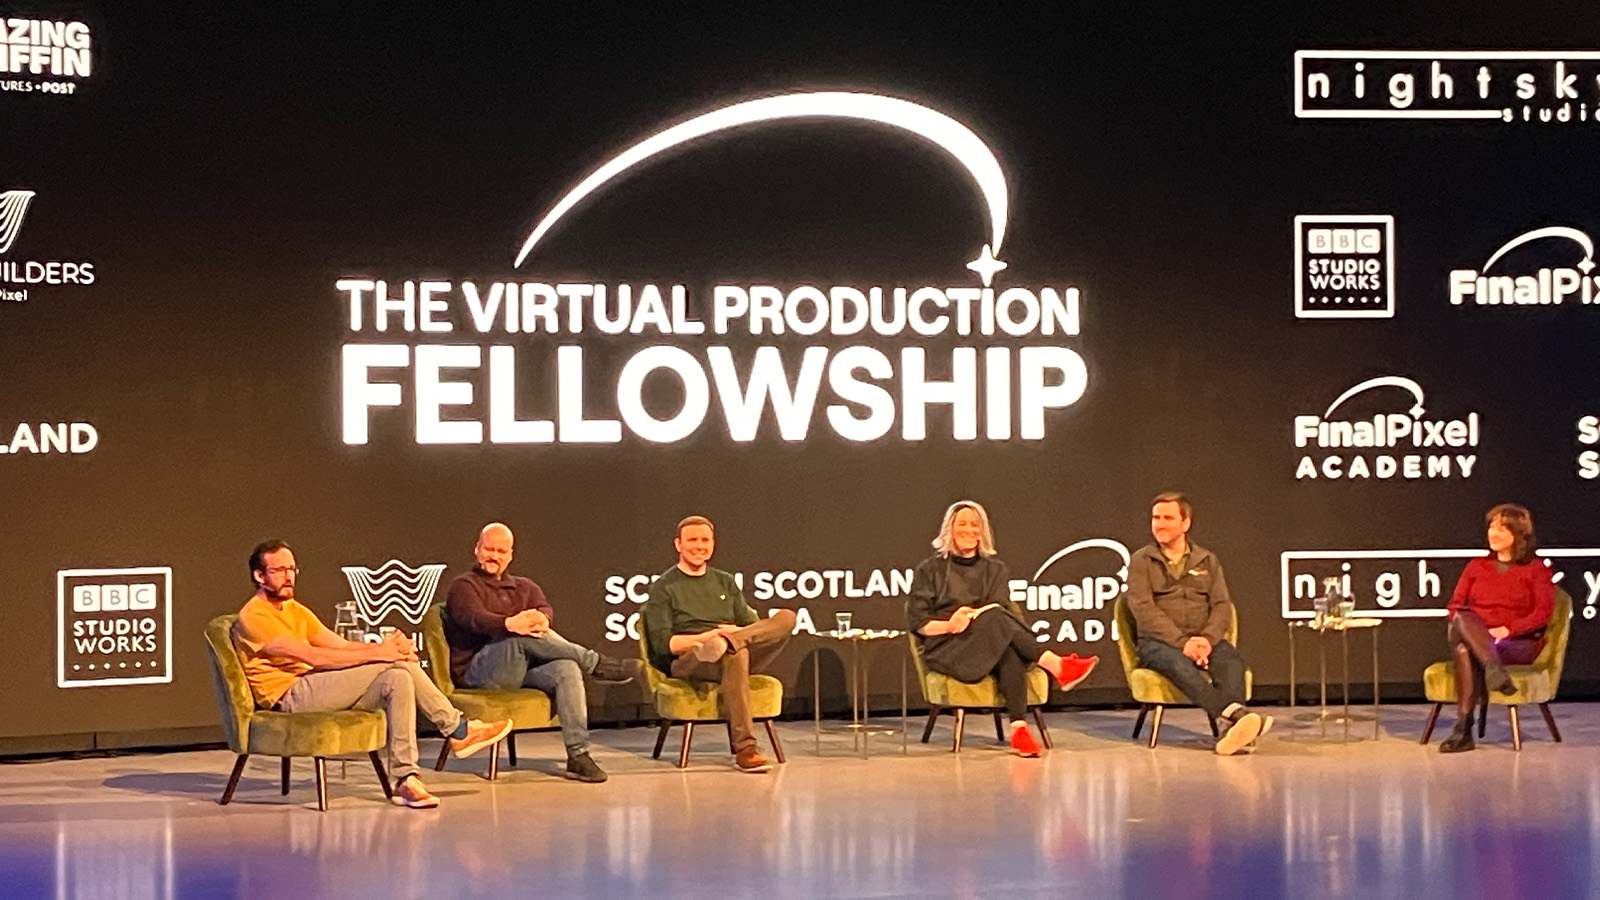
(1044, 733)
(683, 752)
(284, 771)
(999, 729)
(444, 751)
(1516, 729)
(1215, 734)
(511, 748)
(1550, 720)
(961, 724)
(383, 777)
(777, 747)
(1483, 713)
(1155, 725)
(661, 740)
(1138, 724)
(494, 761)
(731, 747)
(321, 766)
(233, 780)
(1433, 718)
(933, 716)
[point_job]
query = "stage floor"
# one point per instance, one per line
(1101, 816)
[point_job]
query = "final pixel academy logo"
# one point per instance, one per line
(1513, 285)
(1066, 599)
(880, 356)
(1373, 446)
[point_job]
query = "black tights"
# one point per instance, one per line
(1011, 672)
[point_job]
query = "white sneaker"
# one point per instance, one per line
(1246, 727)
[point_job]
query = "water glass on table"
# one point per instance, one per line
(841, 622)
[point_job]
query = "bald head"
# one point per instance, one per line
(493, 550)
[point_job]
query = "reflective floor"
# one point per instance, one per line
(1100, 816)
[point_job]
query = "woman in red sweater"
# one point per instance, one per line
(1497, 615)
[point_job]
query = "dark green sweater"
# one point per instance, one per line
(689, 604)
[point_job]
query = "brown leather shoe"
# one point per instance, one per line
(752, 761)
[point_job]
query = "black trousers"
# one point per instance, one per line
(995, 643)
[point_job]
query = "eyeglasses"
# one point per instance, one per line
(283, 570)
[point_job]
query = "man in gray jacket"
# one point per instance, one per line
(1180, 603)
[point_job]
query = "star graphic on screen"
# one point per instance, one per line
(986, 265)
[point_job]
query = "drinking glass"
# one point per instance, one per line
(841, 622)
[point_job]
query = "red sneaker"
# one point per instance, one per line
(1074, 669)
(1023, 743)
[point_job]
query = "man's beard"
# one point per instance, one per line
(286, 592)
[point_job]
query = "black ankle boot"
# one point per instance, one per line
(1499, 680)
(1460, 736)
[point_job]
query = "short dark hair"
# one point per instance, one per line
(1519, 522)
(1177, 497)
(694, 520)
(258, 561)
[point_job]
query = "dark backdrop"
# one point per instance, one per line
(221, 171)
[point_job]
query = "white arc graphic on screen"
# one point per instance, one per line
(1556, 231)
(1106, 543)
(955, 138)
(1382, 381)
(13, 206)
(393, 587)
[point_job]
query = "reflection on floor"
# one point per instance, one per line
(1100, 816)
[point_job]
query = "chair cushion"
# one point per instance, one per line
(526, 707)
(942, 690)
(1150, 686)
(1534, 685)
(317, 733)
(702, 701)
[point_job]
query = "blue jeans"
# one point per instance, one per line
(1211, 689)
(550, 663)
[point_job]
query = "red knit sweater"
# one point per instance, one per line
(1521, 598)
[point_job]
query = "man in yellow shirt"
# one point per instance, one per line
(296, 664)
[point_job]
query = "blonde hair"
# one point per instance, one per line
(945, 542)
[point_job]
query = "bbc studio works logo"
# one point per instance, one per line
(1344, 267)
(114, 626)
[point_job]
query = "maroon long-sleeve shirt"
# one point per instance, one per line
(476, 609)
(1520, 599)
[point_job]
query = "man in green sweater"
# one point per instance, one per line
(698, 627)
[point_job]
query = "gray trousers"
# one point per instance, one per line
(399, 689)
(550, 663)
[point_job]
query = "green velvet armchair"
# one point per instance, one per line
(1150, 688)
(945, 694)
(1536, 682)
(528, 708)
(317, 735)
(687, 703)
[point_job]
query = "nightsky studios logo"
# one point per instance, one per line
(1513, 285)
(1344, 266)
(14, 206)
(1532, 86)
(998, 356)
(114, 626)
(36, 52)
(1372, 446)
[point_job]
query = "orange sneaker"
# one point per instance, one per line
(479, 736)
(413, 793)
(752, 761)
(1023, 743)
(1074, 669)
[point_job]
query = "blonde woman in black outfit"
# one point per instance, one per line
(961, 611)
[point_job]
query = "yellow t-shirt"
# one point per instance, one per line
(260, 622)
